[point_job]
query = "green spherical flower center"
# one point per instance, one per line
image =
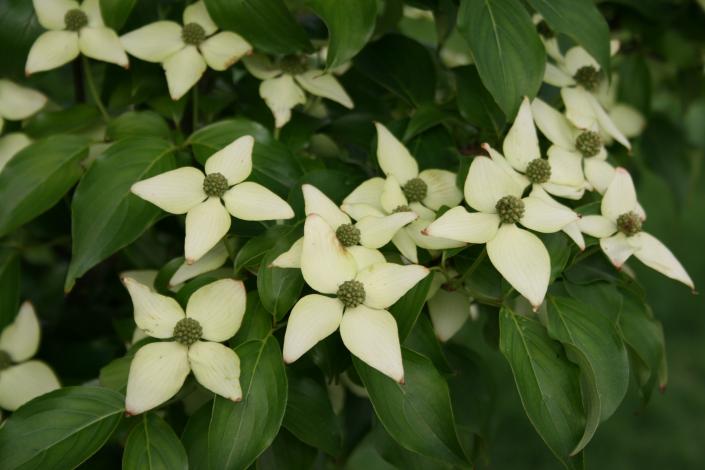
(510, 209)
(75, 19)
(588, 77)
(402, 208)
(215, 185)
(187, 331)
(351, 293)
(629, 223)
(5, 360)
(415, 190)
(588, 143)
(193, 33)
(293, 64)
(544, 30)
(538, 171)
(348, 234)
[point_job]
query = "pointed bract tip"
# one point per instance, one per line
(401, 381)
(236, 399)
(129, 414)
(662, 388)
(190, 261)
(693, 291)
(425, 232)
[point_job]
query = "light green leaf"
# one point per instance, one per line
(103, 203)
(240, 432)
(506, 48)
(37, 177)
(153, 445)
(75, 422)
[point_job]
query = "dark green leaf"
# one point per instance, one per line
(279, 288)
(251, 253)
(423, 340)
(114, 374)
(115, 12)
(309, 414)
(547, 382)
(475, 103)
(74, 421)
(350, 24)
(423, 119)
(266, 24)
(9, 286)
(634, 83)
(37, 177)
(591, 341)
(152, 444)
(195, 438)
(406, 310)
(401, 65)
(106, 216)
(137, 124)
(417, 414)
(581, 21)
(239, 432)
(508, 53)
(256, 324)
(77, 118)
(18, 30)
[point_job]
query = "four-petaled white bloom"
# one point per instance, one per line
(405, 189)
(73, 29)
(16, 103)
(188, 191)
(620, 234)
(519, 255)
(283, 84)
(370, 232)
(185, 51)
(364, 288)
(21, 379)
(213, 315)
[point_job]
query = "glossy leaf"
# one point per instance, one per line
(103, 202)
(115, 12)
(37, 177)
(406, 310)
(350, 24)
(547, 382)
(151, 445)
(76, 119)
(418, 413)
(266, 24)
(581, 21)
(591, 341)
(18, 30)
(195, 437)
(279, 288)
(82, 419)
(508, 53)
(475, 102)
(251, 253)
(137, 124)
(239, 432)
(9, 286)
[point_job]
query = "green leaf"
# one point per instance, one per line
(279, 288)
(402, 66)
(137, 124)
(423, 340)
(115, 12)
(103, 204)
(350, 24)
(581, 21)
(239, 432)
(73, 120)
(406, 310)
(251, 253)
(634, 83)
(547, 382)
(74, 421)
(266, 24)
(152, 444)
(418, 413)
(591, 341)
(195, 438)
(309, 413)
(508, 53)
(114, 374)
(9, 286)
(475, 102)
(18, 30)
(37, 177)
(256, 324)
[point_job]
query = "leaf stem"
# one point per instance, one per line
(93, 90)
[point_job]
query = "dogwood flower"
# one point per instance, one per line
(561, 174)
(619, 229)
(284, 83)
(372, 231)
(185, 51)
(362, 295)
(73, 29)
(405, 189)
(213, 315)
(188, 191)
(519, 255)
(628, 119)
(22, 379)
